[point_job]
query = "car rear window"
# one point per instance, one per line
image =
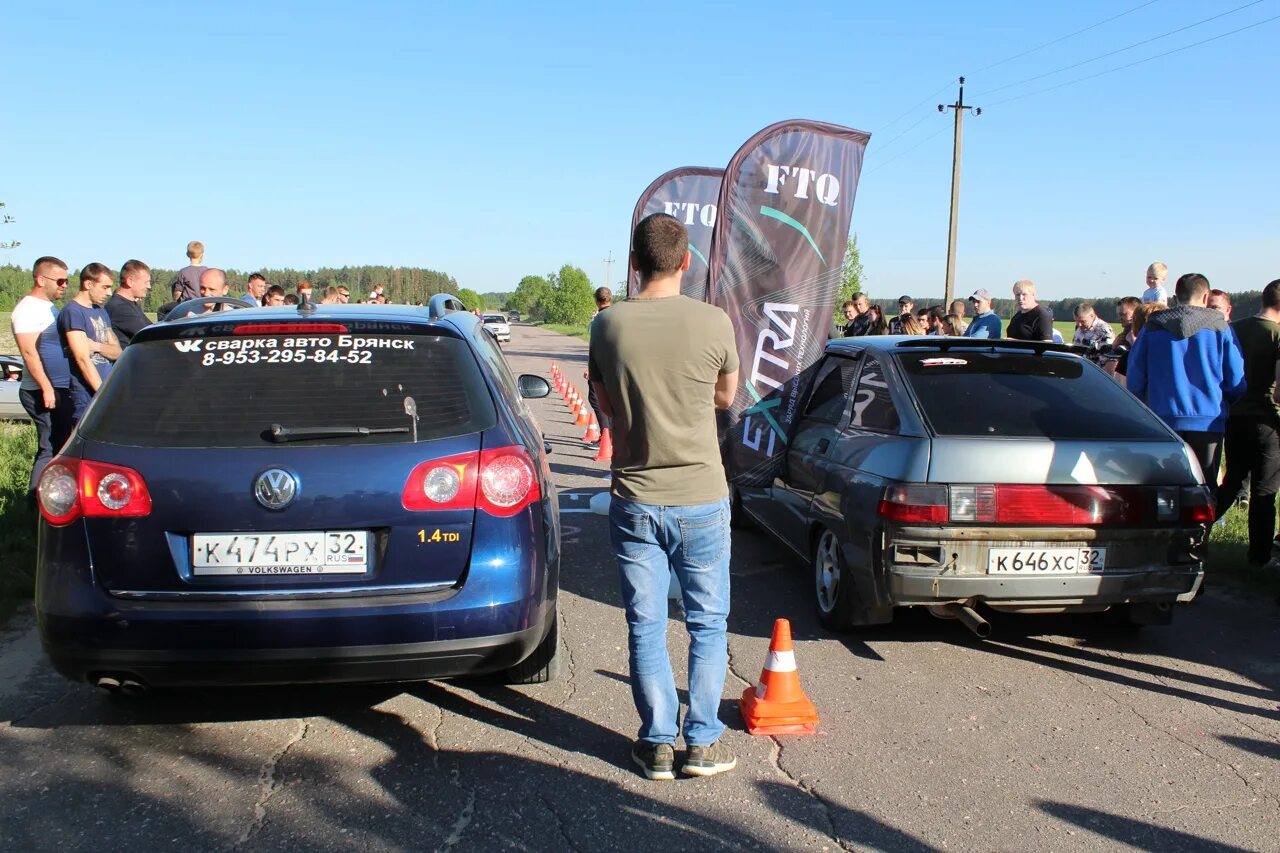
(1024, 395)
(229, 391)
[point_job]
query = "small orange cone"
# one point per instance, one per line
(605, 453)
(581, 419)
(777, 705)
(592, 435)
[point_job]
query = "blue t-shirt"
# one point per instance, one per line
(984, 326)
(96, 325)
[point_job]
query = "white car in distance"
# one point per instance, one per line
(497, 323)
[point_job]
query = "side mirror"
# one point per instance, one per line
(533, 387)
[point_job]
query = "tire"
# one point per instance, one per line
(834, 593)
(543, 664)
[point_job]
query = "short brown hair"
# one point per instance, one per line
(1129, 302)
(659, 245)
(257, 275)
(195, 249)
(1221, 294)
(1190, 286)
(93, 272)
(43, 263)
(604, 296)
(132, 267)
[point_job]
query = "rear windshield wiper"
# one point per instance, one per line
(281, 434)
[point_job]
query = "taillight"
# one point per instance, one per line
(70, 488)
(448, 483)
(1197, 506)
(508, 482)
(289, 329)
(973, 503)
(924, 504)
(1071, 506)
(500, 482)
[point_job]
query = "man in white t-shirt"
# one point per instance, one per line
(45, 391)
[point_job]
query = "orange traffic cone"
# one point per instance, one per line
(777, 705)
(581, 419)
(605, 453)
(592, 435)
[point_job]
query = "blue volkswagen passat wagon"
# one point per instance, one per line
(272, 495)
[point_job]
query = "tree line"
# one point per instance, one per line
(564, 297)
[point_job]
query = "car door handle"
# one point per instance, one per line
(823, 445)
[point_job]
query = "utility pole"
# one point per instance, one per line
(608, 269)
(959, 106)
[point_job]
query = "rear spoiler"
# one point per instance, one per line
(442, 304)
(944, 344)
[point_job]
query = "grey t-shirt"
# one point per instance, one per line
(189, 278)
(659, 360)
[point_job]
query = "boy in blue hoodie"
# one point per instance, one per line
(1187, 367)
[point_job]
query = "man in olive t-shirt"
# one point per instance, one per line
(1253, 429)
(661, 364)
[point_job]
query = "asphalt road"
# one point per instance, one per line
(1057, 734)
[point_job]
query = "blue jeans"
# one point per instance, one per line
(650, 543)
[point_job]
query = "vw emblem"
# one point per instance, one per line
(275, 488)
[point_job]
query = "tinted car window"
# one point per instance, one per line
(1025, 395)
(227, 392)
(835, 379)
(489, 351)
(873, 407)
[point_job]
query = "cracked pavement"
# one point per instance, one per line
(1059, 734)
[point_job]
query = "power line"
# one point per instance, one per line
(1138, 62)
(931, 97)
(1064, 38)
(907, 151)
(1122, 49)
(910, 127)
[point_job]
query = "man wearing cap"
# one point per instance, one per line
(985, 322)
(898, 325)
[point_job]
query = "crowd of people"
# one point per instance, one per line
(68, 352)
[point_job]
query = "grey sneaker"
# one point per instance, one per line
(657, 760)
(709, 760)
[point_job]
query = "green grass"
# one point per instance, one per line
(579, 332)
(17, 521)
(1068, 329)
(1228, 548)
(8, 346)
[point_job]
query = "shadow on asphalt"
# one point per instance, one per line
(1139, 834)
(1265, 748)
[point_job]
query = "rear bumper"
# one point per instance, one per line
(1155, 565)
(254, 667)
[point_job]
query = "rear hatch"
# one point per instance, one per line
(280, 457)
(1040, 463)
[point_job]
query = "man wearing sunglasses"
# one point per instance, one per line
(45, 391)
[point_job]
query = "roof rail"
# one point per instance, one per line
(442, 304)
(1039, 347)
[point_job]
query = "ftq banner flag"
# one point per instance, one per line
(690, 195)
(786, 204)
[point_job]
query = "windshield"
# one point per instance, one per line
(965, 393)
(232, 391)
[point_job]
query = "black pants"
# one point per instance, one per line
(1253, 451)
(1207, 447)
(53, 426)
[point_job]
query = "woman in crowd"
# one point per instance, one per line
(953, 326)
(879, 326)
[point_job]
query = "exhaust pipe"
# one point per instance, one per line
(967, 616)
(120, 683)
(107, 683)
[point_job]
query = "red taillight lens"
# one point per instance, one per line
(289, 329)
(448, 483)
(501, 482)
(918, 503)
(58, 492)
(508, 482)
(69, 488)
(1197, 506)
(1059, 506)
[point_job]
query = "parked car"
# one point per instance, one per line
(10, 379)
(497, 323)
(948, 472)
(513, 316)
(337, 493)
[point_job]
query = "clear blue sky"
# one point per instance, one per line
(492, 141)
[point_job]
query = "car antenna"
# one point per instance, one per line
(305, 305)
